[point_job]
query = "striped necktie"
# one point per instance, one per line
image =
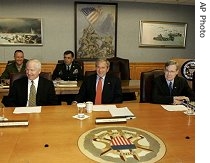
(32, 95)
(98, 92)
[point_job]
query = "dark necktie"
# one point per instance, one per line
(98, 92)
(170, 88)
(32, 95)
(68, 68)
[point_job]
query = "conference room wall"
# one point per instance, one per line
(58, 29)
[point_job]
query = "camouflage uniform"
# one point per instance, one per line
(11, 68)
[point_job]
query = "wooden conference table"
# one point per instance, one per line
(56, 128)
(127, 86)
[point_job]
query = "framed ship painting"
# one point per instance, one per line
(162, 34)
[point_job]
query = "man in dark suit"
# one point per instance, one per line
(111, 86)
(170, 88)
(19, 65)
(19, 93)
(69, 70)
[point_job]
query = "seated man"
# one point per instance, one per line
(170, 88)
(21, 93)
(100, 88)
(68, 71)
(19, 65)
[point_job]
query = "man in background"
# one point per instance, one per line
(110, 91)
(170, 88)
(69, 70)
(18, 66)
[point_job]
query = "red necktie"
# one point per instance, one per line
(98, 92)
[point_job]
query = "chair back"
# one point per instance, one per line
(120, 65)
(77, 61)
(193, 81)
(88, 73)
(146, 84)
(16, 76)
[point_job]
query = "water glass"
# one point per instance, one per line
(81, 110)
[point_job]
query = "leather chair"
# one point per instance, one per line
(16, 76)
(88, 73)
(193, 81)
(80, 62)
(121, 65)
(146, 83)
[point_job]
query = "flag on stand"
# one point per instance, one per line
(92, 14)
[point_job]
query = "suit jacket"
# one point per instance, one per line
(161, 92)
(45, 95)
(75, 72)
(112, 91)
(12, 69)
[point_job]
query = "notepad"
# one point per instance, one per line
(174, 107)
(20, 110)
(103, 107)
(121, 112)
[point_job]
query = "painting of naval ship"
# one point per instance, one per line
(162, 34)
(20, 31)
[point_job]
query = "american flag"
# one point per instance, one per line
(119, 143)
(91, 14)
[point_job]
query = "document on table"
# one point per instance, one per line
(103, 107)
(174, 107)
(34, 109)
(121, 112)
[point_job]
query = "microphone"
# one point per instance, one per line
(187, 104)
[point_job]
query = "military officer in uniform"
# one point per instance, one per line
(19, 65)
(69, 70)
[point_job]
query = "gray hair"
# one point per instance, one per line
(36, 62)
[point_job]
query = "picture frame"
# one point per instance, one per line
(162, 34)
(95, 30)
(21, 31)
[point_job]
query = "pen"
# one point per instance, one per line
(127, 117)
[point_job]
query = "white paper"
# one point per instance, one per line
(34, 109)
(174, 107)
(120, 112)
(103, 107)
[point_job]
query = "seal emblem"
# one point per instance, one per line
(188, 69)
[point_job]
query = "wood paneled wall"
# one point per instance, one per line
(135, 68)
